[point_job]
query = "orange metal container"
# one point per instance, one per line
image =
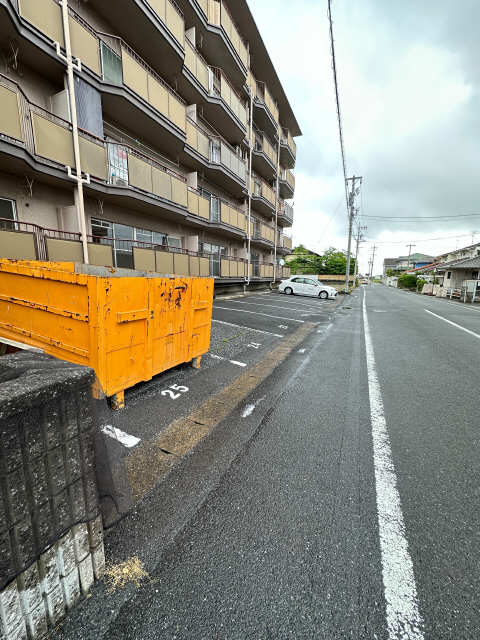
(127, 325)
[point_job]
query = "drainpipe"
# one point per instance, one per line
(250, 188)
(78, 190)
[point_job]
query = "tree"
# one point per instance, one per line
(390, 273)
(407, 281)
(332, 261)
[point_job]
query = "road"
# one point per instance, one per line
(352, 510)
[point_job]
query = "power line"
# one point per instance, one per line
(337, 100)
(465, 235)
(410, 218)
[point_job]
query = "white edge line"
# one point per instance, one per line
(117, 434)
(239, 364)
(454, 324)
(403, 616)
(257, 313)
(241, 326)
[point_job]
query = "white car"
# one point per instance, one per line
(307, 286)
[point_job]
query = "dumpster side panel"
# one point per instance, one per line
(126, 316)
(45, 312)
(171, 302)
(201, 314)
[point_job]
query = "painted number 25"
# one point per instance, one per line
(170, 392)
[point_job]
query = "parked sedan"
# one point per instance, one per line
(307, 287)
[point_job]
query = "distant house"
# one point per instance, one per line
(404, 263)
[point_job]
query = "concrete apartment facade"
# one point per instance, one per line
(144, 134)
(403, 263)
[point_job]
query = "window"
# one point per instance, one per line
(309, 281)
(159, 239)
(449, 275)
(214, 209)
(111, 65)
(8, 211)
(117, 164)
(101, 229)
(215, 151)
(474, 275)
(174, 242)
(216, 253)
(298, 280)
(143, 235)
(123, 236)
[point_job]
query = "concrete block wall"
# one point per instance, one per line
(51, 534)
(42, 594)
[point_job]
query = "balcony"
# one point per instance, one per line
(132, 92)
(215, 158)
(220, 37)
(220, 215)
(263, 234)
(288, 150)
(286, 184)
(261, 269)
(263, 196)
(284, 244)
(285, 214)
(209, 87)
(154, 27)
(265, 110)
(264, 156)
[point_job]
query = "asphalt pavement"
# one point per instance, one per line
(339, 500)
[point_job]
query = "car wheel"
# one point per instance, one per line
(323, 295)
(288, 291)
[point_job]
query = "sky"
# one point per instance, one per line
(409, 82)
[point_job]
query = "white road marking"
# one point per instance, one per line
(403, 617)
(250, 408)
(301, 350)
(275, 306)
(117, 434)
(326, 329)
(238, 364)
(240, 326)
(257, 313)
(454, 324)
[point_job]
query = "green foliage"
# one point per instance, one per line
(420, 283)
(407, 281)
(390, 272)
(331, 262)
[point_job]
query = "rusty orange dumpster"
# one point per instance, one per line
(127, 325)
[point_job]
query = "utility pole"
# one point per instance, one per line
(410, 252)
(351, 215)
(359, 238)
(372, 260)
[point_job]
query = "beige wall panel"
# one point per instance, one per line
(134, 75)
(46, 15)
(214, 12)
(180, 264)
(262, 271)
(204, 208)
(241, 269)
(225, 213)
(204, 267)
(225, 268)
(10, 114)
(164, 262)
(175, 23)
(225, 91)
(158, 95)
(194, 265)
(204, 6)
(159, 6)
(203, 145)
(139, 173)
(85, 46)
(179, 192)
(53, 141)
(64, 250)
(162, 184)
(190, 58)
(177, 112)
(17, 246)
(233, 269)
(192, 135)
(93, 157)
(100, 254)
(144, 259)
(193, 202)
(202, 73)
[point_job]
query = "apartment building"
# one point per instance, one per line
(147, 134)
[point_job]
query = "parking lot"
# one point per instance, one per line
(244, 330)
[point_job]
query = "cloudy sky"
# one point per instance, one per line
(409, 77)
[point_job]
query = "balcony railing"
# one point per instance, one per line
(263, 231)
(286, 211)
(215, 82)
(215, 150)
(261, 188)
(289, 142)
(284, 241)
(218, 15)
(263, 95)
(263, 144)
(287, 176)
(215, 210)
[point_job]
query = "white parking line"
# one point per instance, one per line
(117, 434)
(292, 301)
(257, 313)
(403, 617)
(240, 326)
(239, 364)
(274, 306)
(454, 324)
